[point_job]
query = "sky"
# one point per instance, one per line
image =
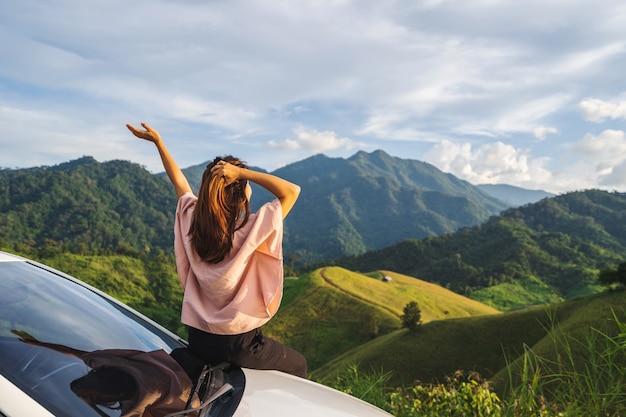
(527, 93)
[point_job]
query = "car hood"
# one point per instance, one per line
(272, 393)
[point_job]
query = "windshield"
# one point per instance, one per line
(55, 335)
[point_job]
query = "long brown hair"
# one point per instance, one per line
(218, 213)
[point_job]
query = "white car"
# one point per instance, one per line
(56, 333)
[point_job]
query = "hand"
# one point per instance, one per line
(149, 134)
(25, 337)
(226, 170)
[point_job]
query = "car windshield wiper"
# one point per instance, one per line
(225, 389)
(202, 388)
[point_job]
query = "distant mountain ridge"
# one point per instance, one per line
(347, 207)
(514, 196)
(561, 242)
(369, 201)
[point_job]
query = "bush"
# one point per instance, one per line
(460, 396)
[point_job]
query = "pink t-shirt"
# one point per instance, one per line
(241, 292)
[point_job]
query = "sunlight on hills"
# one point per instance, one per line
(484, 343)
(435, 302)
(331, 310)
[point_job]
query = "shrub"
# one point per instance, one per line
(460, 396)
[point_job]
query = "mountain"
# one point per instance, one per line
(514, 196)
(84, 206)
(370, 201)
(551, 249)
(347, 206)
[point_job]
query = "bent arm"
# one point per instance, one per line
(286, 192)
(172, 170)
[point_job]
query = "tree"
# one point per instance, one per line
(412, 317)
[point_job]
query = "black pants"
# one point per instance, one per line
(248, 350)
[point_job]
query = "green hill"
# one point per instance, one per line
(483, 344)
(86, 207)
(571, 342)
(332, 310)
(562, 242)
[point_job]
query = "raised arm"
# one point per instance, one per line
(66, 350)
(171, 168)
(286, 192)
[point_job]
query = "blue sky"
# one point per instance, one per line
(528, 93)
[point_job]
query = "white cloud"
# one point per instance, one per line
(45, 137)
(395, 75)
(594, 161)
(595, 110)
(390, 125)
(490, 163)
(604, 150)
(313, 141)
(518, 117)
(582, 60)
(197, 110)
(542, 132)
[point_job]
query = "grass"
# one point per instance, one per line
(517, 294)
(122, 277)
(332, 310)
(583, 375)
(568, 331)
(484, 344)
(321, 322)
(439, 348)
(435, 302)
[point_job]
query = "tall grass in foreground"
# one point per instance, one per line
(585, 375)
(370, 387)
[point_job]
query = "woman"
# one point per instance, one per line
(229, 261)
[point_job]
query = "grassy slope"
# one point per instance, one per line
(119, 276)
(517, 294)
(575, 319)
(435, 302)
(483, 344)
(332, 310)
(527, 291)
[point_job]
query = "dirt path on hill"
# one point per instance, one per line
(358, 297)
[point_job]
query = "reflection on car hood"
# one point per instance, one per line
(279, 394)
